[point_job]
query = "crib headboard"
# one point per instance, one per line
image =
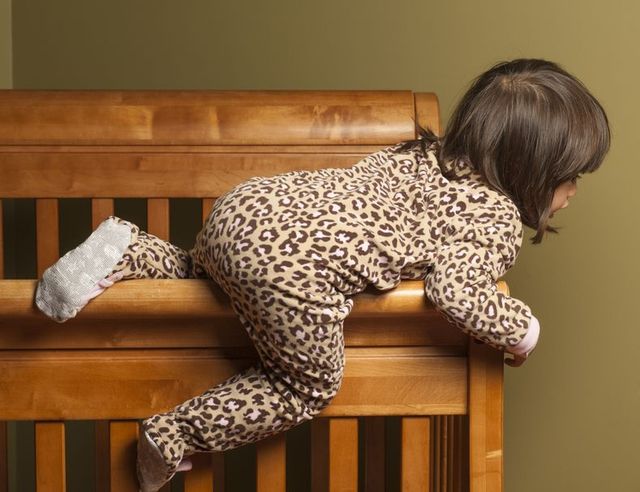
(122, 358)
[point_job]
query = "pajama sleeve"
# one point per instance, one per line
(462, 284)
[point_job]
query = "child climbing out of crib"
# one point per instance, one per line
(291, 250)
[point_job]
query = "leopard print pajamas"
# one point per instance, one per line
(291, 250)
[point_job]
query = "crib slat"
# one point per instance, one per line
(47, 233)
(374, 459)
(343, 455)
(50, 462)
(122, 456)
(450, 453)
(200, 477)
(271, 463)
(158, 217)
(207, 205)
(416, 446)
(101, 208)
(444, 447)
(437, 455)
(458, 454)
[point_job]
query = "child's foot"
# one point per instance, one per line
(152, 470)
(68, 285)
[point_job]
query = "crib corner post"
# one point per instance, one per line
(486, 415)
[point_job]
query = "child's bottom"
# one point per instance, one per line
(299, 372)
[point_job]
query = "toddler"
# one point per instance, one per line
(293, 249)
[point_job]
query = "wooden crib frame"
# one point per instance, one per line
(121, 358)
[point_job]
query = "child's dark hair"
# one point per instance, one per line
(526, 126)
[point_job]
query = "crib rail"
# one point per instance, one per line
(123, 359)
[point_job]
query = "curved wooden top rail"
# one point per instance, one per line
(207, 117)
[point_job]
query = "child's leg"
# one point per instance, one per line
(299, 373)
(116, 249)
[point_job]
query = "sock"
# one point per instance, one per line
(65, 286)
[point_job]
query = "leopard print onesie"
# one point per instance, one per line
(290, 251)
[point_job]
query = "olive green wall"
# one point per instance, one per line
(571, 410)
(6, 68)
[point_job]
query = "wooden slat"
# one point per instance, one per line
(153, 175)
(207, 205)
(270, 464)
(450, 452)
(485, 418)
(101, 208)
(205, 117)
(200, 477)
(123, 442)
(158, 217)
(374, 458)
(343, 455)
(377, 381)
(50, 457)
(47, 234)
(102, 455)
(444, 448)
(415, 454)
(437, 453)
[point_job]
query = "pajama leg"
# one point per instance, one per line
(116, 249)
(299, 372)
(150, 257)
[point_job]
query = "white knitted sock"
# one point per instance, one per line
(66, 285)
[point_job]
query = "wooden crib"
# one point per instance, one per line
(146, 345)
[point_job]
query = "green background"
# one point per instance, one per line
(571, 410)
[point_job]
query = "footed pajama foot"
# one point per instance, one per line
(68, 285)
(152, 469)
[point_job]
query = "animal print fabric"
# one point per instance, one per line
(290, 250)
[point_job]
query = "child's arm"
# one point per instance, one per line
(462, 284)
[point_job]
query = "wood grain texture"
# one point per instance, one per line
(428, 111)
(271, 464)
(101, 208)
(485, 418)
(343, 455)
(158, 217)
(122, 456)
(47, 236)
(154, 174)
(204, 117)
(415, 473)
(50, 457)
(377, 381)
